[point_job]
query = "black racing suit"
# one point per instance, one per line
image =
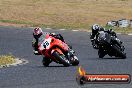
(94, 39)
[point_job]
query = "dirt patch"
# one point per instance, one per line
(64, 13)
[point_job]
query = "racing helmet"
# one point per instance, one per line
(95, 28)
(37, 31)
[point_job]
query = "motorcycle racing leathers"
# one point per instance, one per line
(36, 38)
(93, 38)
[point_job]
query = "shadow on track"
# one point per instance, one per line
(111, 58)
(105, 58)
(53, 66)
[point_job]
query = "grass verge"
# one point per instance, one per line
(125, 30)
(68, 14)
(7, 59)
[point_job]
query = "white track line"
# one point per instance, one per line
(75, 30)
(62, 29)
(79, 30)
(129, 34)
(48, 28)
(118, 33)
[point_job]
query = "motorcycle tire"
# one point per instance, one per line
(46, 61)
(61, 58)
(74, 61)
(120, 53)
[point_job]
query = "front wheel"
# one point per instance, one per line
(74, 61)
(62, 59)
(120, 53)
(123, 55)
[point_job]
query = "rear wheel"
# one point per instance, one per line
(61, 58)
(46, 61)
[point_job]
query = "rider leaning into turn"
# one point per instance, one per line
(95, 29)
(37, 32)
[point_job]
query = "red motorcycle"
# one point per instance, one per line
(55, 50)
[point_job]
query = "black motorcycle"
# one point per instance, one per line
(108, 44)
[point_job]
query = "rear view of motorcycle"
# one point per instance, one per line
(108, 44)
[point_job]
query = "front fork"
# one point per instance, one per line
(70, 54)
(120, 44)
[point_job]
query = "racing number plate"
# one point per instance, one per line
(47, 43)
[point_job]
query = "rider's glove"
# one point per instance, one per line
(36, 52)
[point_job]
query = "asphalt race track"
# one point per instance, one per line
(33, 75)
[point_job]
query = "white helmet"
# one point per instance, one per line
(37, 31)
(96, 27)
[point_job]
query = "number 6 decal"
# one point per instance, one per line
(47, 43)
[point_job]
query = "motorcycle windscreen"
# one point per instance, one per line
(44, 42)
(42, 37)
(103, 36)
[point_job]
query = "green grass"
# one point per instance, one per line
(15, 22)
(22, 22)
(120, 29)
(7, 59)
(123, 30)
